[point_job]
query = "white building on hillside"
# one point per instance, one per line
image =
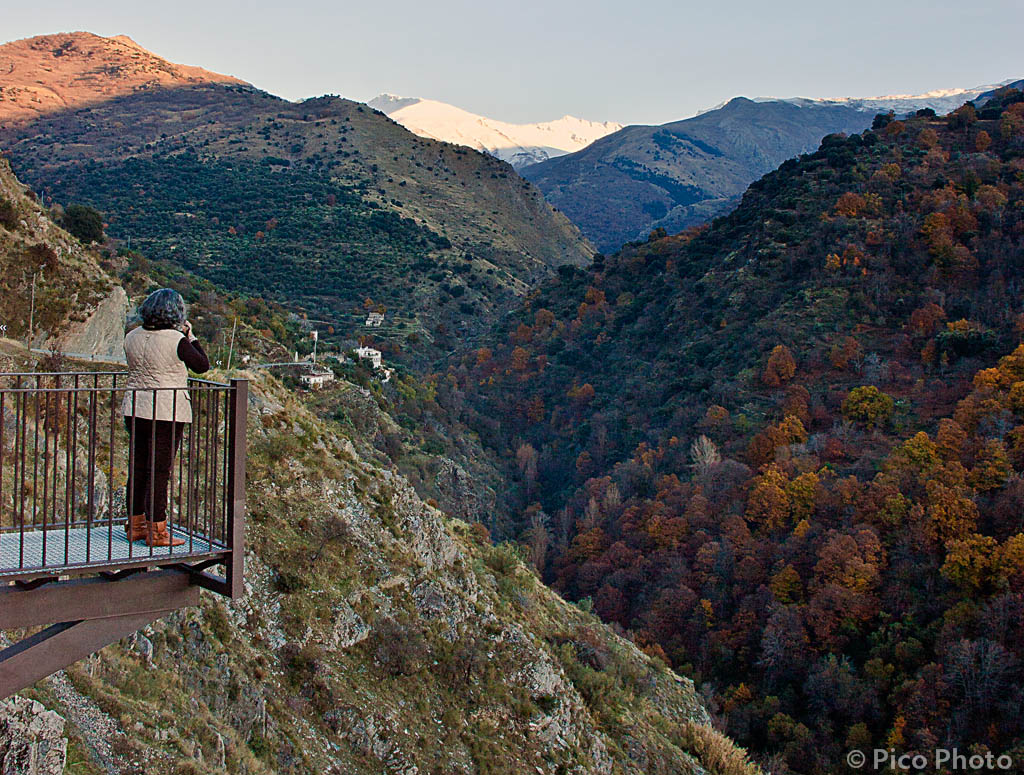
(316, 379)
(368, 353)
(375, 319)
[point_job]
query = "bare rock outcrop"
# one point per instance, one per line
(102, 333)
(32, 740)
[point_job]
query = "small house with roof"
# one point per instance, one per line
(369, 354)
(315, 380)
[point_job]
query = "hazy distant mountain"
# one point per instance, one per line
(518, 144)
(981, 99)
(942, 101)
(640, 178)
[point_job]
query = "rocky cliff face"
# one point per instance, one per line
(377, 635)
(32, 740)
(102, 333)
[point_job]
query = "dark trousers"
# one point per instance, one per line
(151, 451)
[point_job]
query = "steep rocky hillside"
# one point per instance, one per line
(376, 636)
(320, 204)
(672, 176)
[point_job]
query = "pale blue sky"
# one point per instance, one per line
(646, 61)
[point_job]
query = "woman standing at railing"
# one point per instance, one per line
(156, 411)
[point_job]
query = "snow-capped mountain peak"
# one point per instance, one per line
(940, 100)
(518, 144)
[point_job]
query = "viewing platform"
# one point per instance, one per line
(65, 556)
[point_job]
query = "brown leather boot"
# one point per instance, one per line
(135, 527)
(161, 536)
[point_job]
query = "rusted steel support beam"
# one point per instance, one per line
(62, 644)
(95, 598)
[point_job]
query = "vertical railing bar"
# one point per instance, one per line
(56, 452)
(200, 448)
(235, 566)
(226, 456)
(170, 474)
(73, 444)
(90, 465)
(56, 448)
(207, 506)
(214, 448)
(214, 504)
(130, 490)
(132, 455)
(182, 512)
(46, 459)
(151, 520)
(3, 412)
(110, 475)
(23, 424)
(193, 467)
(67, 474)
(94, 428)
(35, 471)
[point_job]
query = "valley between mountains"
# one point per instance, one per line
(737, 494)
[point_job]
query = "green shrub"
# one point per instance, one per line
(869, 405)
(83, 222)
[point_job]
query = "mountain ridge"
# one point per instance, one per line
(69, 69)
(939, 100)
(625, 185)
(672, 176)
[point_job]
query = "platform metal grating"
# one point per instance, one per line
(81, 547)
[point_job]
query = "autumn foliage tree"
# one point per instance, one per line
(780, 366)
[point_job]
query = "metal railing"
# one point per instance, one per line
(69, 458)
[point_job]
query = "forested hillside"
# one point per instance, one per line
(786, 450)
(319, 205)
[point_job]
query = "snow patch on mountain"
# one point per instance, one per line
(942, 101)
(518, 144)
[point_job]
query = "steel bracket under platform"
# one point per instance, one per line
(83, 615)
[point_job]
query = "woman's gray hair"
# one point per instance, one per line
(163, 309)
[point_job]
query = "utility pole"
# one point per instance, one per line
(231, 349)
(316, 338)
(32, 312)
